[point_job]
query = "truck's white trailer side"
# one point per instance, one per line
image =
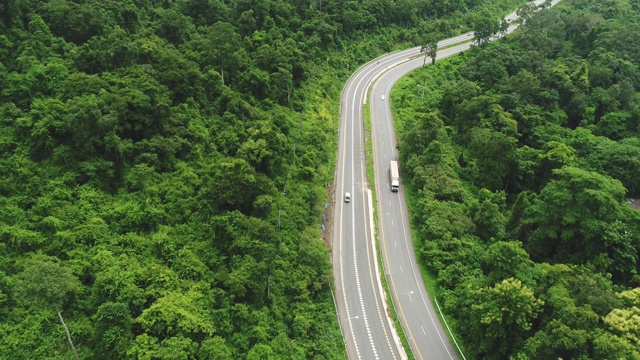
(394, 176)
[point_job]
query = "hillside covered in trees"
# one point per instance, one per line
(519, 156)
(163, 167)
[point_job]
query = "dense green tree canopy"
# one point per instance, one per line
(519, 188)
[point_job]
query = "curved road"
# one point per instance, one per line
(362, 311)
(425, 333)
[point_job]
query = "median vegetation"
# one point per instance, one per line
(521, 154)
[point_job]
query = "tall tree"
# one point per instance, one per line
(46, 284)
(429, 46)
(494, 155)
(224, 50)
(503, 27)
(484, 28)
(582, 217)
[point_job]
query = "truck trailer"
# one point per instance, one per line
(394, 176)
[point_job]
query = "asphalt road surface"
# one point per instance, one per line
(361, 309)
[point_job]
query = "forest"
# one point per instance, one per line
(164, 168)
(519, 157)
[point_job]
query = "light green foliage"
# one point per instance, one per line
(576, 299)
(625, 322)
(177, 313)
(116, 279)
(609, 346)
(503, 314)
(554, 155)
(215, 348)
(427, 129)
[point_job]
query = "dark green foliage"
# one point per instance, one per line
(143, 154)
(581, 216)
(485, 26)
(520, 183)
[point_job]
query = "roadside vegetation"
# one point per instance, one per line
(520, 154)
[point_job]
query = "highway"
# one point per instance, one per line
(366, 327)
(360, 301)
(363, 313)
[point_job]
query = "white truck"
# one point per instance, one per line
(394, 176)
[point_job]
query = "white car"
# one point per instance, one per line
(347, 197)
(382, 97)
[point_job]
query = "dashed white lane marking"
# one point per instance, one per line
(353, 242)
(401, 268)
(375, 280)
(360, 297)
(346, 303)
(424, 332)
